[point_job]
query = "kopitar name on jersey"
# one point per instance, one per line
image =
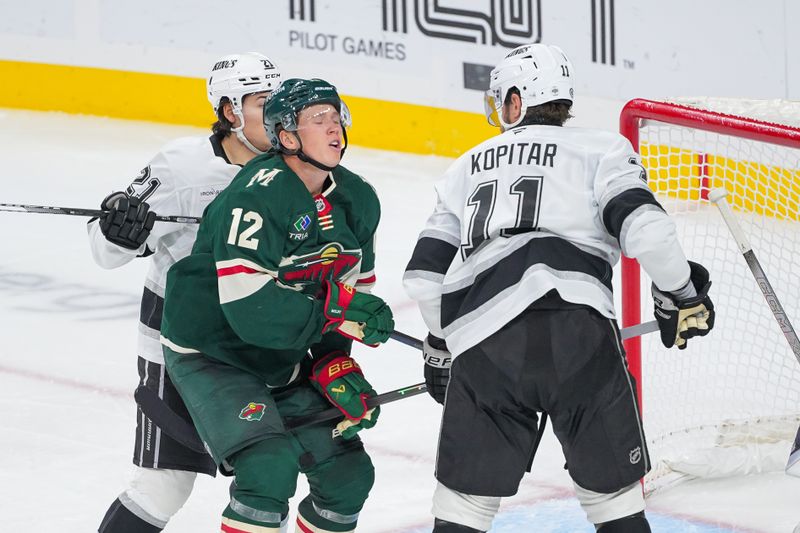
(519, 153)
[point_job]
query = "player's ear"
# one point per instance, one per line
(227, 112)
(516, 100)
(512, 108)
(288, 140)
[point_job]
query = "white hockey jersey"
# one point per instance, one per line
(182, 179)
(533, 209)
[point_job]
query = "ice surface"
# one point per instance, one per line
(68, 361)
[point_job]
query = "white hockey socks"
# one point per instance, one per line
(473, 511)
(600, 507)
(158, 493)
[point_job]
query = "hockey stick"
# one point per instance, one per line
(375, 401)
(183, 432)
(793, 465)
(717, 196)
(419, 388)
(168, 420)
(627, 333)
(78, 212)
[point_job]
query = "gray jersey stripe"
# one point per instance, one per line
(631, 218)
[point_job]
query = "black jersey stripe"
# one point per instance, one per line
(622, 205)
(551, 252)
(151, 309)
(216, 145)
(432, 255)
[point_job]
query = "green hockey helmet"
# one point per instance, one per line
(292, 96)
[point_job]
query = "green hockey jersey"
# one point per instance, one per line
(249, 293)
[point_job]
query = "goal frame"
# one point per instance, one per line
(631, 117)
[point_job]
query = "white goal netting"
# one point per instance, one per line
(730, 403)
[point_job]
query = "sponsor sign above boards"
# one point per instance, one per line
(430, 52)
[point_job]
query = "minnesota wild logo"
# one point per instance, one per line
(330, 262)
(253, 412)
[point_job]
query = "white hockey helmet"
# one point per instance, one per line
(237, 75)
(540, 72)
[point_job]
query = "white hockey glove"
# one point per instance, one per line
(437, 366)
(681, 317)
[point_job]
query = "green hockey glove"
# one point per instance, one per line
(339, 378)
(359, 316)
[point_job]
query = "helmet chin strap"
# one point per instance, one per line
(240, 134)
(301, 155)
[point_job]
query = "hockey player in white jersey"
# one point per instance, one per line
(182, 179)
(512, 274)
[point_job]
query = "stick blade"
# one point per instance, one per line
(717, 194)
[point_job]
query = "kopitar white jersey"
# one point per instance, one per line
(182, 179)
(535, 209)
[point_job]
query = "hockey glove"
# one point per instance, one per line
(357, 315)
(437, 366)
(339, 378)
(680, 319)
(127, 221)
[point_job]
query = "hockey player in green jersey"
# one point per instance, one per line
(260, 318)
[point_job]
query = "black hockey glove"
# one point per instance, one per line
(437, 366)
(127, 221)
(680, 319)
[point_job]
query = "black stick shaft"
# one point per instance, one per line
(79, 212)
(168, 420)
(626, 333)
(419, 388)
(381, 399)
(408, 340)
(183, 432)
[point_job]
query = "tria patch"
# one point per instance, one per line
(253, 412)
(302, 223)
(300, 227)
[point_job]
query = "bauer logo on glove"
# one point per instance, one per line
(339, 378)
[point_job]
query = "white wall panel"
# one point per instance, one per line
(428, 52)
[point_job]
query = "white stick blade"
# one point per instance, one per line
(715, 195)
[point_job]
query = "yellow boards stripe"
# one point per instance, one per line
(769, 190)
(112, 93)
(181, 100)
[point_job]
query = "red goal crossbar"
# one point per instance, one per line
(630, 121)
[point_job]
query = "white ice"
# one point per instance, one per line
(68, 361)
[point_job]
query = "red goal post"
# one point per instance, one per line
(687, 151)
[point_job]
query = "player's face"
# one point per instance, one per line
(253, 111)
(320, 129)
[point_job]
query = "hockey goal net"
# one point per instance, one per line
(730, 403)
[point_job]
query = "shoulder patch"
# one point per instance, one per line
(300, 226)
(263, 177)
